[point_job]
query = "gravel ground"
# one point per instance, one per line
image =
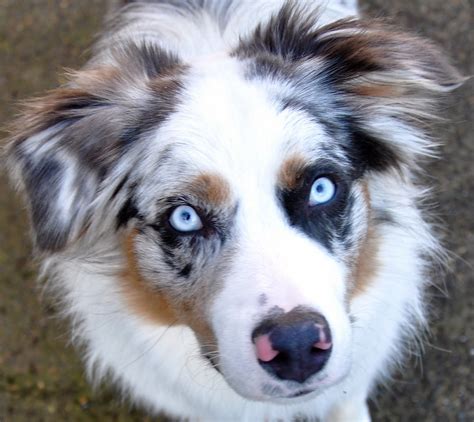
(41, 378)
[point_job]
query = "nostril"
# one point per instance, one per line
(263, 346)
(322, 345)
(324, 338)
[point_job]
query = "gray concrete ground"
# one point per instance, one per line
(41, 378)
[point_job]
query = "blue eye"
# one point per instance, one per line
(322, 191)
(185, 219)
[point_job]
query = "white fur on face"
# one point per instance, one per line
(234, 128)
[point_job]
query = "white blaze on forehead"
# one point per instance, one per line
(232, 116)
(234, 126)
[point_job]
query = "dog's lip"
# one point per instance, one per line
(299, 393)
(294, 395)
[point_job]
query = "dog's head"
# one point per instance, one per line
(238, 187)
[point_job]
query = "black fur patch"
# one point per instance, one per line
(289, 34)
(325, 223)
(146, 58)
(126, 213)
(369, 153)
(43, 183)
(186, 270)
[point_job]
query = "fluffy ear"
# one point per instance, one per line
(66, 144)
(390, 80)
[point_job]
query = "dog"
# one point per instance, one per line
(226, 202)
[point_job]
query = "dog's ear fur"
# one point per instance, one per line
(391, 80)
(67, 143)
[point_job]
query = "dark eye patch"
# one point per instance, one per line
(186, 252)
(325, 223)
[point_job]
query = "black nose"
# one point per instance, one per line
(294, 345)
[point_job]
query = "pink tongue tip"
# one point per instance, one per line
(265, 351)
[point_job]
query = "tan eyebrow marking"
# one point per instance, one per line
(212, 189)
(291, 172)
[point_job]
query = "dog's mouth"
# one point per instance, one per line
(300, 393)
(285, 394)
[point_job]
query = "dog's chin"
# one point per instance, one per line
(287, 397)
(283, 393)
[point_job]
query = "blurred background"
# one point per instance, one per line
(41, 378)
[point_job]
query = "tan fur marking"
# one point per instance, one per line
(94, 79)
(155, 307)
(211, 188)
(144, 302)
(197, 321)
(367, 263)
(376, 90)
(291, 172)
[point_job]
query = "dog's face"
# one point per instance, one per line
(237, 187)
(253, 217)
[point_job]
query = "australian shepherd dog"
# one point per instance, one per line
(226, 201)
